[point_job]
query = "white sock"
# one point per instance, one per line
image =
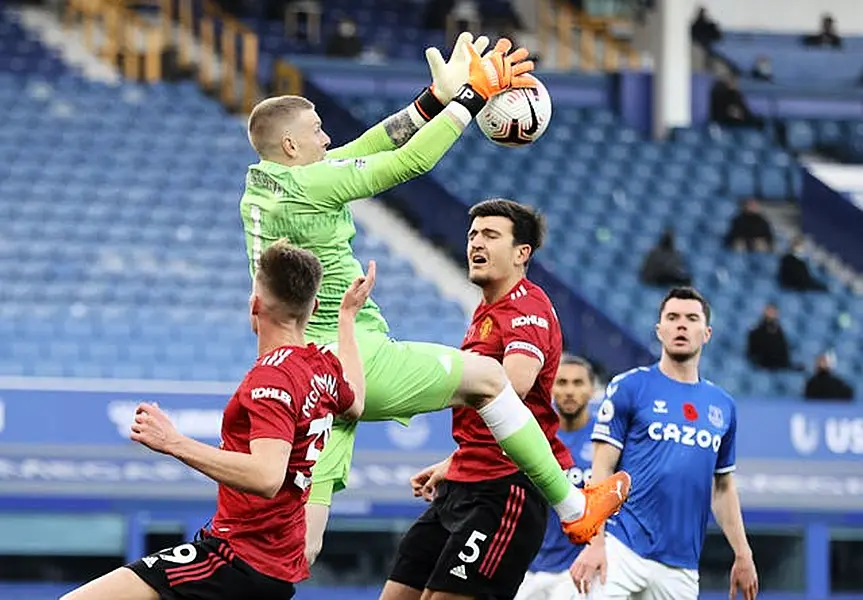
(506, 414)
(572, 507)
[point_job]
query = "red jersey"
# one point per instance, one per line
(522, 322)
(291, 394)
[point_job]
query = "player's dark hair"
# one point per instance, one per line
(293, 276)
(569, 359)
(528, 225)
(686, 293)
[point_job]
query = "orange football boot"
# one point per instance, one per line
(601, 501)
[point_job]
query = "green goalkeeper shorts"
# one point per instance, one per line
(403, 379)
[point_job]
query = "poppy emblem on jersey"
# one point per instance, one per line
(689, 412)
(485, 328)
(715, 416)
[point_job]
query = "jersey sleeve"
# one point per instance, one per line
(727, 456)
(527, 330)
(374, 140)
(330, 184)
(271, 405)
(614, 413)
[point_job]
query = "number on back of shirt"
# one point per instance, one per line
(319, 429)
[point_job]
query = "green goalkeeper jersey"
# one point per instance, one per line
(308, 206)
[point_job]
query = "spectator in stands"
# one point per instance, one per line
(464, 16)
(436, 13)
(826, 37)
(824, 384)
(749, 230)
(762, 70)
(767, 347)
(728, 107)
(664, 265)
(704, 30)
(345, 42)
(794, 273)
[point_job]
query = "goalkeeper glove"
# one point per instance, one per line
(447, 77)
(494, 73)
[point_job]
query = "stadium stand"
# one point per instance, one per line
(619, 192)
(125, 258)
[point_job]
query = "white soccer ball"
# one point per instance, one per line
(516, 117)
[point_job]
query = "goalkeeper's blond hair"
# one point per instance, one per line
(270, 120)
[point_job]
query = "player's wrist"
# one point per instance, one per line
(429, 103)
(744, 554)
(470, 99)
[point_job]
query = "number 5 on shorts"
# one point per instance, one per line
(472, 545)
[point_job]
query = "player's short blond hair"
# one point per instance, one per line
(270, 118)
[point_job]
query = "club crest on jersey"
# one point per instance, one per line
(485, 328)
(715, 416)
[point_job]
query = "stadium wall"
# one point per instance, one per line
(75, 483)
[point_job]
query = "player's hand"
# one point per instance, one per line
(424, 484)
(744, 578)
(154, 429)
(448, 77)
(500, 69)
(591, 561)
(358, 293)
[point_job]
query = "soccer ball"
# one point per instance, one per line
(516, 117)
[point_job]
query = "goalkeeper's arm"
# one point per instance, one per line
(394, 131)
(336, 182)
(447, 78)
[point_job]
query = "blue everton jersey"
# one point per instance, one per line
(673, 438)
(557, 552)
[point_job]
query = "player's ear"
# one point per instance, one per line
(656, 329)
(523, 254)
(288, 147)
(316, 306)
(708, 333)
(255, 305)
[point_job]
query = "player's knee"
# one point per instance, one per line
(483, 379)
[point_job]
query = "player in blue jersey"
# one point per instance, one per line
(548, 576)
(674, 432)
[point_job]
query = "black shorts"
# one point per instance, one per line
(476, 539)
(207, 569)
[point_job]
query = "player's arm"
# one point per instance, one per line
(394, 131)
(729, 517)
(272, 422)
(331, 184)
(527, 334)
(725, 500)
(261, 473)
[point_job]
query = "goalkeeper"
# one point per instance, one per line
(300, 191)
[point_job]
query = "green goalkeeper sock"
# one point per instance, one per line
(518, 433)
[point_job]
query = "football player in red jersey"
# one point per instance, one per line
(487, 520)
(273, 429)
